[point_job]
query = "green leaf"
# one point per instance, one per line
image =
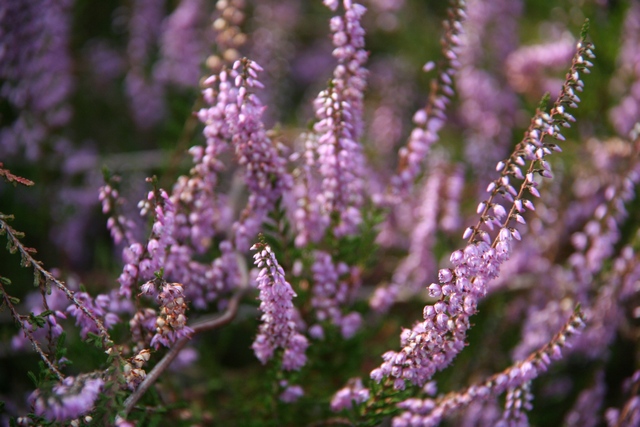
(5, 281)
(45, 313)
(61, 350)
(585, 29)
(36, 321)
(94, 339)
(33, 378)
(544, 101)
(37, 278)
(25, 261)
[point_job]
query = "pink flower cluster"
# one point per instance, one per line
(278, 328)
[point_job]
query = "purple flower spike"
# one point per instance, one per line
(340, 161)
(36, 71)
(429, 120)
(354, 392)
(172, 322)
(70, 399)
(182, 45)
(278, 329)
(235, 115)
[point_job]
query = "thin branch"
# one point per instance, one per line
(628, 407)
(29, 335)
(37, 266)
(204, 325)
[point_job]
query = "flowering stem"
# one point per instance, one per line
(206, 324)
(27, 259)
(35, 344)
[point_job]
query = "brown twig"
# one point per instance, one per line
(203, 325)
(29, 335)
(27, 259)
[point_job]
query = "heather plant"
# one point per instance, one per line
(287, 213)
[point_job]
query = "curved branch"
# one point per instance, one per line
(206, 324)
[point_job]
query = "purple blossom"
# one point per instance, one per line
(450, 219)
(431, 345)
(182, 45)
(36, 72)
(489, 106)
(171, 324)
(234, 116)
(629, 414)
(57, 302)
(526, 66)
(145, 94)
(265, 176)
(624, 116)
(278, 327)
(98, 307)
(383, 297)
(291, 393)
(518, 401)
(73, 397)
(429, 120)
(340, 162)
(353, 393)
(333, 289)
(212, 282)
(584, 412)
(415, 269)
(430, 412)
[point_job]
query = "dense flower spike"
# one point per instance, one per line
(99, 308)
(339, 108)
(431, 345)
(266, 177)
(594, 244)
(489, 105)
(235, 116)
(182, 45)
(526, 66)
(74, 397)
(429, 412)
(278, 328)
(429, 120)
(354, 221)
(354, 392)
(145, 93)
(333, 289)
(171, 324)
(625, 115)
(36, 73)
(229, 37)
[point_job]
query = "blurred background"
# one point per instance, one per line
(92, 88)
